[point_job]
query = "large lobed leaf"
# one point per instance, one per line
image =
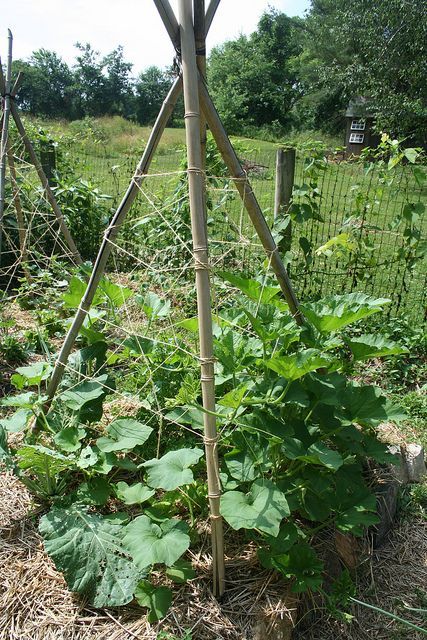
(151, 543)
(297, 364)
(89, 550)
(263, 507)
(334, 312)
(252, 288)
(173, 469)
(124, 434)
(372, 346)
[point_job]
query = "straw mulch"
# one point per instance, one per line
(395, 580)
(35, 603)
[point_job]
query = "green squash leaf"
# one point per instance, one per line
(180, 572)
(68, 439)
(157, 599)
(250, 457)
(16, 422)
(263, 508)
(124, 435)
(319, 453)
(355, 520)
(374, 346)
(23, 400)
(76, 290)
(173, 469)
(252, 288)
(367, 405)
(134, 493)
(151, 543)
(154, 306)
(89, 550)
(95, 491)
(82, 393)
(334, 312)
(303, 566)
(116, 293)
(298, 364)
(32, 375)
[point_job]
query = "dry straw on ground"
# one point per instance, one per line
(35, 603)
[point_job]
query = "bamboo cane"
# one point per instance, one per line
(200, 42)
(249, 199)
(5, 132)
(45, 184)
(19, 215)
(111, 234)
(201, 260)
(168, 18)
(210, 13)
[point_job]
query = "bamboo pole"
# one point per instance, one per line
(5, 89)
(200, 43)
(210, 13)
(111, 234)
(45, 184)
(249, 199)
(168, 18)
(201, 265)
(19, 215)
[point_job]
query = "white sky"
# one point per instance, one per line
(135, 24)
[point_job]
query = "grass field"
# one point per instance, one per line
(363, 205)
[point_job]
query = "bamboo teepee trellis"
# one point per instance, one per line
(9, 108)
(188, 35)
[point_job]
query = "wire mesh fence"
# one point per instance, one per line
(352, 226)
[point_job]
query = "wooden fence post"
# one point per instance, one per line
(48, 161)
(285, 175)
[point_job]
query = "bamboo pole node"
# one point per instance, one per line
(82, 307)
(191, 114)
(196, 170)
(204, 378)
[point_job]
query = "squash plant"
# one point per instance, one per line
(296, 431)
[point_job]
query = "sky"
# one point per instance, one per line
(58, 24)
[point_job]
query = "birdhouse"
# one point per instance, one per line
(359, 127)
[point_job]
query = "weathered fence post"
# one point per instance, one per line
(285, 175)
(48, 161)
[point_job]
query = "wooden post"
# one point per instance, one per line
(111, 235)
(48, 162)
(5, 90)
(285, 175)
(201, 265)
(243, 186)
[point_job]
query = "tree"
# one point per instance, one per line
(151, 88)
(252, 79)
(374, 48)
(89, 83)
(118, 93)
(47, 86)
